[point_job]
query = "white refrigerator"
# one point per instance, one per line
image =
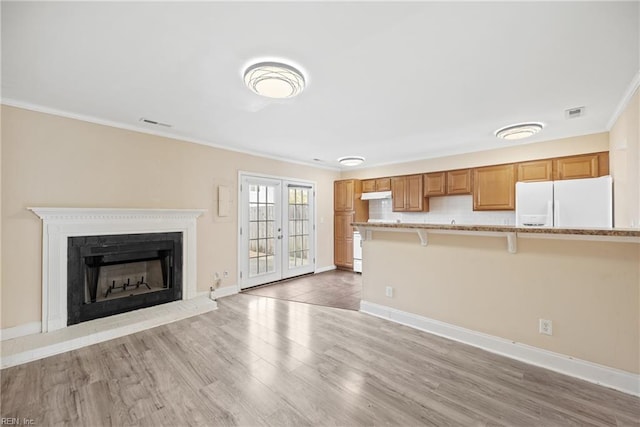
(572, 203)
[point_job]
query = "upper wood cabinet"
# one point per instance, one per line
(459, 181)
(494, 188)
(378, 184)
(368, 185)
(449, 182)
(583, 166)
(344, 195)
(408, 195)
(539, 170)
(435, 184)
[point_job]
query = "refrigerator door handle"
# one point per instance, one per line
(556, 213)
(550, 219)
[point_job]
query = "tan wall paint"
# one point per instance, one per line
(54, 161)
(625, 165)
(590, 290)
(541, 150)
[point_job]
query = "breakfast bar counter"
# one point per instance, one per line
(511, 233)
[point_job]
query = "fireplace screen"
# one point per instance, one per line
(118, 273)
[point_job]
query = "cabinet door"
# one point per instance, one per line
(459, 182)
(398, 189)
(414, 194)
(435, 184)
(494, 188)
(383, 184)
(540, 170)
(575, 167)
(343, 240)
(343, 193)
(369, 185)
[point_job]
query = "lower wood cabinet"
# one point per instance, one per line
(494, 188)
(343, 240)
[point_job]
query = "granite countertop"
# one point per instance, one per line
(615, 232)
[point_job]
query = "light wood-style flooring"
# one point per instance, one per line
(336, 288)
(263, 361)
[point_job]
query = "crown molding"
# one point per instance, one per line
(624, 102)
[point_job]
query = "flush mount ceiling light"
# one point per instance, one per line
(274, 80)
(351, 160)
(519, 131)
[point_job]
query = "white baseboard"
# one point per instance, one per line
(226, 291)
(323, 269)
(599, 374)
(20, 331)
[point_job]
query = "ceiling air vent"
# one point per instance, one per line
(153, 122)
(572, 113)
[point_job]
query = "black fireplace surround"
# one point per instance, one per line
(86, 256)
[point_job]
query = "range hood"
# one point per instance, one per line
(376, 195)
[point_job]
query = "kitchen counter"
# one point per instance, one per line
(510, 232)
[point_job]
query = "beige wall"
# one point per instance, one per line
(54, 161)
(541, 150)
(625, 165)
(590, 290)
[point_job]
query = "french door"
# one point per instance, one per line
(277, 229)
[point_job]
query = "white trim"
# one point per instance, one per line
(603, 375)
(138, 128)
(20, 331)
(323, 269)
(226, 291)
(58, 224)
(622, 105)
(34, 347)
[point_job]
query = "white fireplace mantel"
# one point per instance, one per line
(58, 224)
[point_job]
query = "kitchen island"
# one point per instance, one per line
(461, 283)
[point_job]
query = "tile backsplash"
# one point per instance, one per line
(442, 210)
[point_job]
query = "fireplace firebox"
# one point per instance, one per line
(113, 274)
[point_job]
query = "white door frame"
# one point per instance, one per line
(242, 273)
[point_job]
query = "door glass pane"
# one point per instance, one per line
(262, 229)
(298, 226)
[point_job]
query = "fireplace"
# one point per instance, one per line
(113, 274)
(60, 224)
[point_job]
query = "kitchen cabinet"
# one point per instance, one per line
(494, 188)
(378, 184)
(435, 184)
(408, 194)
(348, 208)
(344, 195)
(447, 183)
(459, 182)
(343, 240)
(582, 166)
(539, 170)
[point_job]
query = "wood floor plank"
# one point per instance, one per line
(262, 361)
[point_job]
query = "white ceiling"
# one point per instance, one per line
(386, 80)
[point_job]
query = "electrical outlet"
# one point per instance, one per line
(225, 274)
(545, 327)
(389, 291)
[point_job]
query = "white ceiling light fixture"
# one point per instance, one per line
(519, 131)
(351, 160)
(274, 80)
